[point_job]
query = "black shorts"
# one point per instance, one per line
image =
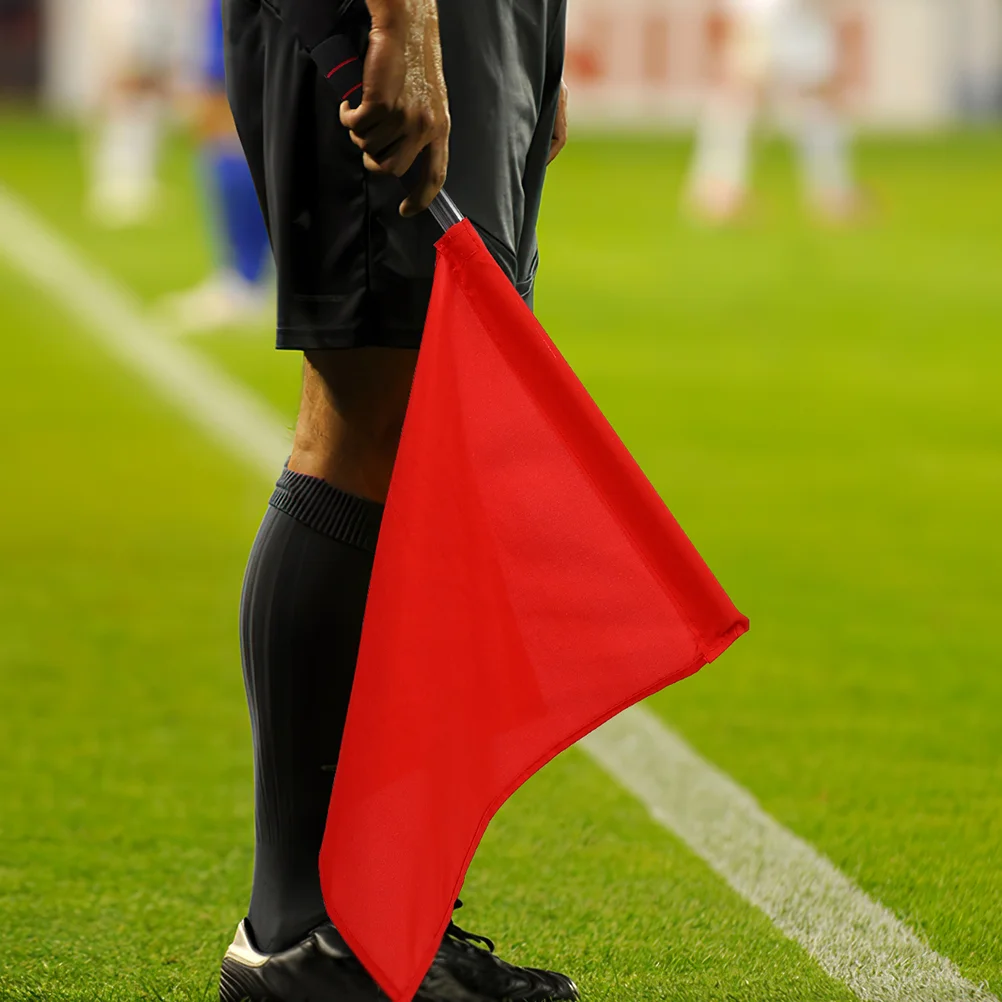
(351, 271)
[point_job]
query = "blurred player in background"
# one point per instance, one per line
(240, 288)
(787, 52)
(134, 42)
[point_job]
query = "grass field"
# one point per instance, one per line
(819, 408)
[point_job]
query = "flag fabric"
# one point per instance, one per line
(528, 585)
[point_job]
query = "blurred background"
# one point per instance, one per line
(913, 63)
(772, 250)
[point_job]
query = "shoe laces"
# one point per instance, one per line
(469, 939)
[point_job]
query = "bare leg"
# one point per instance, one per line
(351, 416)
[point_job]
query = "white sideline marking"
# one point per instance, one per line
(234, 416)
(852, 937)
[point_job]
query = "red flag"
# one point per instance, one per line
(528, 585)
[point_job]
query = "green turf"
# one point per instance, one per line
(818, 408)
(125, 839)
(821, 411)
(170, 254)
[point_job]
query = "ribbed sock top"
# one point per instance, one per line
(335, 513)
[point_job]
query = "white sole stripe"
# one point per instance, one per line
(853, 938)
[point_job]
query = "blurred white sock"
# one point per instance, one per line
(825, 157)
(125, 155)
(719, 176)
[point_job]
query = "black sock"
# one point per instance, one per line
(300, 623)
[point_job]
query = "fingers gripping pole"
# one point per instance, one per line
(341, 66)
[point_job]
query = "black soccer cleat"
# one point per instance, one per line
(322, 968)
(468, 961)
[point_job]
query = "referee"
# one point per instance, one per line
(355, 260)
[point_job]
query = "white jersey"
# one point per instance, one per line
(782, 41)
(135, 37)
(759, 9)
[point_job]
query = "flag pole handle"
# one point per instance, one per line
(445, 211)
(340, 65)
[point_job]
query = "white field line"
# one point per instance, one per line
(234, 416)
(852, 937)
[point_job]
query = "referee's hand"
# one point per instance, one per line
(405, 107)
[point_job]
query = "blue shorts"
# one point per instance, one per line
(214, 67)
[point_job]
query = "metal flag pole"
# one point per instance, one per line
(445, 211)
